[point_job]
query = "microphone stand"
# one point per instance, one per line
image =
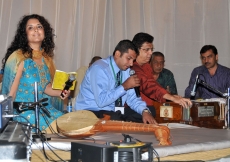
(36, 107)
(226, 95)
(38, 134)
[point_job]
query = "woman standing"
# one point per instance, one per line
(29, 59)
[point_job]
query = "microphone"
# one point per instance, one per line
(132, 72)
(193, 92)
(42, 106)
(22, 106)
(68, 83)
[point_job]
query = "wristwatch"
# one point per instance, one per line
(146, 110)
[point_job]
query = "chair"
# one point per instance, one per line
(80, 76)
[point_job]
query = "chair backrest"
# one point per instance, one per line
(80, 75)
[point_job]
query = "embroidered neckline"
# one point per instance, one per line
(40, 66)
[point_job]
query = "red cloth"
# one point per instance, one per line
(149, 88)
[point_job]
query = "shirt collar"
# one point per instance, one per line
(217, 70)
(115, 67)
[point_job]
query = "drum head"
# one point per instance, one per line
(77, 122)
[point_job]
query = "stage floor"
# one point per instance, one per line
(222, 155)
(188, 143)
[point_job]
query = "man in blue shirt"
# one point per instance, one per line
(99, 90)
(212, 73)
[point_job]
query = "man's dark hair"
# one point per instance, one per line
(157, 53)
(209, 47)
(124, 45)
(140, 38)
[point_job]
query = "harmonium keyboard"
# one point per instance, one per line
(208, 114)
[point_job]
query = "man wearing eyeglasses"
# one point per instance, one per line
(149, 88)
(162, 75)
(107, 86)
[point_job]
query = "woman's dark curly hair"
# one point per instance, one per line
(20, 40)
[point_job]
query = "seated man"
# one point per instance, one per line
(163, 76)
(108, 84)
(211, 72)
(149, 88)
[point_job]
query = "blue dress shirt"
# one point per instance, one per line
(98, 89)
(220, 81)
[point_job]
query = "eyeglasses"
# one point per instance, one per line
(147, 49)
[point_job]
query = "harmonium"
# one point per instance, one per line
(208, 114)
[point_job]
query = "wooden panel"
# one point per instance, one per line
(177, 113)
(208, 121)
(38, 156)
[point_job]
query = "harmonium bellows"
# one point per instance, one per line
(202, 114)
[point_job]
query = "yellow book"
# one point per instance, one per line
(60, 77)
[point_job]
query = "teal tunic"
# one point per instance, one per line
(25, 93)
(166, 78)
